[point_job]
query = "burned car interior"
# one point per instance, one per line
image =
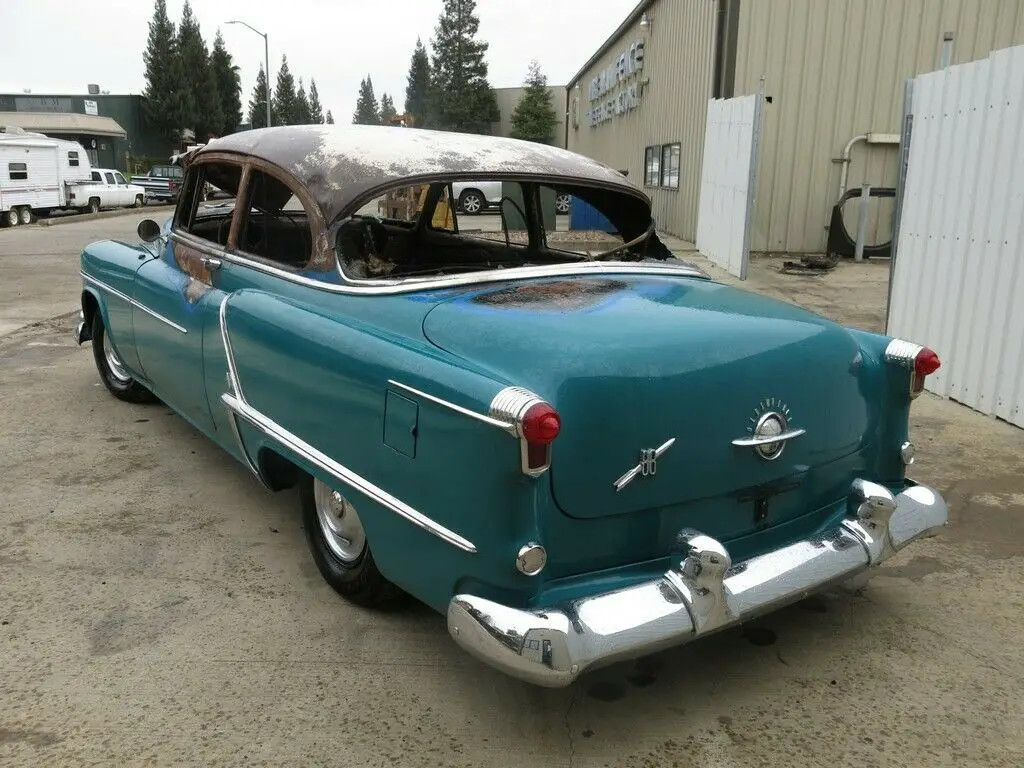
(416, 231)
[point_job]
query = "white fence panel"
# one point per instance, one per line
(958, 280)
(727, 181)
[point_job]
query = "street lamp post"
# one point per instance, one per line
(266, 55)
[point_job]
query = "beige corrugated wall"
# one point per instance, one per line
(835, 69)
(673, 107)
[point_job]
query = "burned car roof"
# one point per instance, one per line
(338, 164)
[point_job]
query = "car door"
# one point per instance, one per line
(110, 196)
(124, 194)
(174, 294)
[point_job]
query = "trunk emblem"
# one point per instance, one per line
(769, 430)
(647, 466)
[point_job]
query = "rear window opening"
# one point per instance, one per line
(461, 226)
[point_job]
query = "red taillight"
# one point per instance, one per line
(541, 424)
(926, 362)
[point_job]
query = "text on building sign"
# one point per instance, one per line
(617, 75)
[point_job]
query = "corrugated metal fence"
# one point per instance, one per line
(958, 280)
(727, 181)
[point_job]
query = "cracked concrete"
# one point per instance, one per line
(157, 607)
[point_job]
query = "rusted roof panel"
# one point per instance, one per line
(340, 163)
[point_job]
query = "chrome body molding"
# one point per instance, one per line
(647, 466)
(236, 390)
(702, 592)
(753, 442)
(344, 474)
(239, 407)
(411, 284)
(125, 297)
(902, 352)
(500, 424)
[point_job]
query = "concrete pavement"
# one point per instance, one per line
(157, 607)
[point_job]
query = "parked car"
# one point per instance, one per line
(107, 189)
(577, 459)
(475, 197)
(37, 174)
(162, 183)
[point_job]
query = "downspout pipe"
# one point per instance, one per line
(846, 161)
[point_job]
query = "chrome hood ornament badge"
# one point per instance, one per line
(769, 429)
(648, 464)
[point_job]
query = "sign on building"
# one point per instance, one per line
(90, 107)
(620, 79)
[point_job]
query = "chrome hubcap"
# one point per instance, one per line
(471, 204)
(339, 522)
(12, 217)
(117, 369)
(562, 203)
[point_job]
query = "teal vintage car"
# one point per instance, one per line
(577, 447)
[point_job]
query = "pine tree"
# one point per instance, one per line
(460, 98)
(316, 111)
(387, 109)
(165, 102)
(285, 104)
(367, 111)
(330, 118)
(534, 116)
(418, 83)
(229, 86)
(302, 109)
(258, 102)
(205, 114)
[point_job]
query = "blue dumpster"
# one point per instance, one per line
(583, 216)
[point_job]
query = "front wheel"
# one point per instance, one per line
(471, 202)
(11, 218)
(339, 547)
(25, 215)
(139, 201)
(113, 373)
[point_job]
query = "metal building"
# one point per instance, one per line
(834, 70)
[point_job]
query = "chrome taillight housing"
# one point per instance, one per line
(921, 361)
(534, 421)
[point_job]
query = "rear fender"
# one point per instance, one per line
(441, 494)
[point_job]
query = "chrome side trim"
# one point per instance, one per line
(503, 425)
(236, 390)
(701, 593)
(344, 474)
(409, 285)
(753, 442)
(648, 464)
(110, 289)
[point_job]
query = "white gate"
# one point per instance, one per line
(957, 277)
(731, 137)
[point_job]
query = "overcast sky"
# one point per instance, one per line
(59, 46)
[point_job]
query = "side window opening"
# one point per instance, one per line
(208, 222)
(275, 224)
(17, 171)
(109, 177)
(73, 159)
(120, 178)
(95, 176)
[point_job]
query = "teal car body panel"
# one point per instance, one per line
(393, 392)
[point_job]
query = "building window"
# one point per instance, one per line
(670, 166)
(73, 159)
(652, 160)
(17, 171)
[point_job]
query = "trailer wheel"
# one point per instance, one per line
(94, 205)
(11, 218)
(26, 215)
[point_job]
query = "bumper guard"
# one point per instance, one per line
(701, 593)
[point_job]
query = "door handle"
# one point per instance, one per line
(211, 263)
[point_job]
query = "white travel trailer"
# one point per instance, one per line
(35, 172)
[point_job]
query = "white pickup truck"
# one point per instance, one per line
(107, 189)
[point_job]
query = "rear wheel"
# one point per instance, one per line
(562, 204)
(113, 373)
(94, 205)
(25, 215)
(471, 202)
(339, 547)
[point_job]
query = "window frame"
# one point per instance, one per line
(73, 159)
(675, 150)
(121, 181)
(12, 170)
(652, 175)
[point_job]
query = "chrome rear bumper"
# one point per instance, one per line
(701, 593)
